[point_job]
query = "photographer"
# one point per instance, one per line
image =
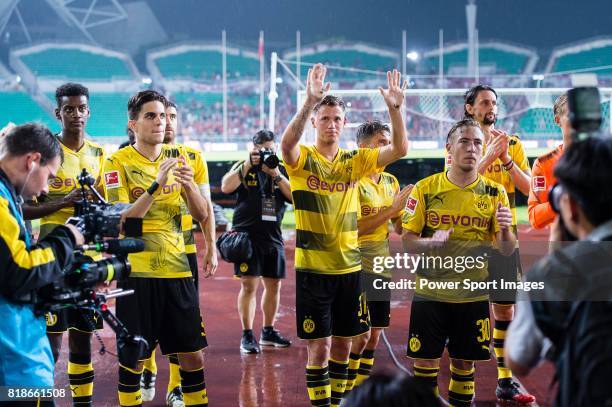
(30, 157)
(555, 317)
(262, 192)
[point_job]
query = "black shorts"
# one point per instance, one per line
(330, 305)
(164, 311)
(83, 320)
(507, 268)
(379, 300)
(266, 261)
(466, 326)
(193, 265)
(380, 313)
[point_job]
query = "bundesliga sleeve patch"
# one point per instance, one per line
(411, 205)
(111, 179)
(539, 183)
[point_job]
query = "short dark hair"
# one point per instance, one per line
(469, 97)
(263, 136)
(392, 390)
(584, 172)
(368, 129)
(70, 89)
(170, 103)
(461, 124)
(138, 100)
(330, 100)
(32, 138)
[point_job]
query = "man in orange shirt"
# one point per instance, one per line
(541, 213)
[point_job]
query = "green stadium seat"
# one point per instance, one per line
(75, 64)
(19, 108)
(206, 64)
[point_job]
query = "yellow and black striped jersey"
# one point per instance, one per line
(326, 203)
(435, 203)
(91, 157)
(127, 175)
(374, 197)
(496, 172)
(200, 177)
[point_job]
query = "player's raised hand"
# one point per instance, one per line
(400, 199)
(394, 94)
(494, 148)
(503, 216)
(5, 130)
(504, 144)
(316, 88)
(164, 169)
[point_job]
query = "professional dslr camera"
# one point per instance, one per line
(100, 224)
(268, 157)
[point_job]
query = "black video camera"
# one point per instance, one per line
(584, 111)
(268, 157)
(76, 289)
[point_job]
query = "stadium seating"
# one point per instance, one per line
(76, 64)
(18, 107)
(496, 58)
(354, 55)
(206, 64)
(588, 55)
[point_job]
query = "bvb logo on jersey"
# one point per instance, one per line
(51, 319)
(308, 325)
(482, 204)
(244, 267)
(415, 344)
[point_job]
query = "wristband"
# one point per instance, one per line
(508, 166)
(154, 187)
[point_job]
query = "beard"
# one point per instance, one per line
(486, 120)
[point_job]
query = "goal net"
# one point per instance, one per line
(429, 114)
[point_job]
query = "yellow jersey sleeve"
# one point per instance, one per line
(517, 152)
(115, 181)
(293, 169)
(365, 162)
(396, 190)
(413, 218)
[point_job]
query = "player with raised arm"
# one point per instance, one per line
(330, 305)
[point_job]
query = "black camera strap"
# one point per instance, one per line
(262, 178)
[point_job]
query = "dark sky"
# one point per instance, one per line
(542, 24)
